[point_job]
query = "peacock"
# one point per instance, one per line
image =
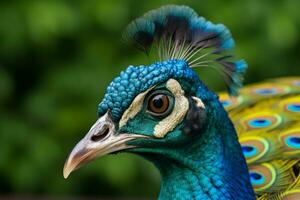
(241, 144)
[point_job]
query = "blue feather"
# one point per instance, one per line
(177, 32)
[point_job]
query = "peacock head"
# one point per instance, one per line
(158, 109)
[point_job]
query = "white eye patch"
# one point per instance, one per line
(180, 109)
(199, 103)
(134, 108)
(166, 125)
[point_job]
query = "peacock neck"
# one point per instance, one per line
(212, 166)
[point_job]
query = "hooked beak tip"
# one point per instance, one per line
(66, 175)
(68, 168)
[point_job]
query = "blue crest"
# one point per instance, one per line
(177, 32)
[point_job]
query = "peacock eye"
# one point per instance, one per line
(158, 104)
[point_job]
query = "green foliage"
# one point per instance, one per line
(56, 59)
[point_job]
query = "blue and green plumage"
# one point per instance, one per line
(135, 80)
(266, 118)
(166, 114)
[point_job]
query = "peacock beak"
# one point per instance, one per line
(101, 139)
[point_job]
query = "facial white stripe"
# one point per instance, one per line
(199, 103)
(134, 108)
(180, 109)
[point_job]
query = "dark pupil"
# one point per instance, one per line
(158, 102)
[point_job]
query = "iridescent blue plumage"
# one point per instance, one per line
(135, 80)
(177, 32)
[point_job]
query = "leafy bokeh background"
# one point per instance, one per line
(57, 57)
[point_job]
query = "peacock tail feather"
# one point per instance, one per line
(267, 119)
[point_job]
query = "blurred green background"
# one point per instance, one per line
(56, 59)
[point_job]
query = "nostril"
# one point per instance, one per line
(101, 134)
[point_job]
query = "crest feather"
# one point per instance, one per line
(177, 32)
